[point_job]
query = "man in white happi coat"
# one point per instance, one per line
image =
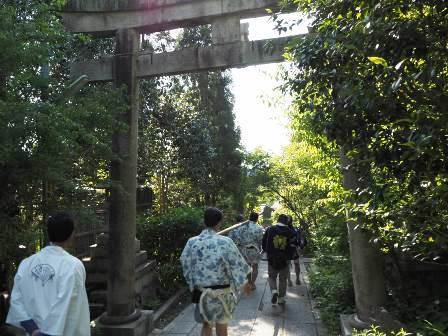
(215, 271)
(248, 238)
(49, 295)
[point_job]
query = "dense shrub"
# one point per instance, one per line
(375, 331)
(372, 79)
(426, 329)
(332, 288)
(164, 237)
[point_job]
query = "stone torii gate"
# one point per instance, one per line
(126, 20)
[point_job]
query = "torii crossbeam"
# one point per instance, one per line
(126, 19)
(105, 17)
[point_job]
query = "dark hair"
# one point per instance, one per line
(282, 218)
(253, 216)
(289, 220)
(212, 217)
(239, 218)
(60, 227)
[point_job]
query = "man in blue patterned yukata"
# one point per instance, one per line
(248, 238)
(215, 271)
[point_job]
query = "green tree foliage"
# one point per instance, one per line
(53, 146)
(189, 144)
(370, 80)
(256, 174)
(372, 76)
(175, 146)
(216, 103)
(164, 237)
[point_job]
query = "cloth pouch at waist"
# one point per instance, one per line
(196, 294)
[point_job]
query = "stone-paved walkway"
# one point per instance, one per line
(256, 316)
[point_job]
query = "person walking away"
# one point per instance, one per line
(215, 271)
(49, 295)
(295, 246)
(248, 239)
(276, 243)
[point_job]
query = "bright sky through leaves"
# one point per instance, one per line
(259, 109)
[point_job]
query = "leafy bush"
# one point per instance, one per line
(171, 279)
(17, 241)
(332, 288)
(393, 131)
(370, 78)
(164, 237)
(375, 331)
(426, 328)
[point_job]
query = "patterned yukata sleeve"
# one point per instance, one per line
(259, 237)
(186, 262)
(238, 269)
(234, 236)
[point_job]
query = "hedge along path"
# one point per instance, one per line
(255, 315)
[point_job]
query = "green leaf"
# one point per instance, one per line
(399, 65)
(378, 60)
(396, 84)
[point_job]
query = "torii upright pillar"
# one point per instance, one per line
(122, 318)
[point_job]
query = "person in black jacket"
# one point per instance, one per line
(277, 242)
(299, 243)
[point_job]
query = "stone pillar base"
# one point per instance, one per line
(381, 318)
(141, 327)
(350, 323)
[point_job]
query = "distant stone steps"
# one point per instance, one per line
(96, 309)
(97, 267)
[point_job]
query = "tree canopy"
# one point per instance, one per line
(371, 77)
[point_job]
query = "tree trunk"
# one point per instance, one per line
(367, 262)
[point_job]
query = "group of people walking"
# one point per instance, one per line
(216, 267)
(49, 295)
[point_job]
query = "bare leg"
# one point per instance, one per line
(221, 329)
(254, 273)
(207, 329)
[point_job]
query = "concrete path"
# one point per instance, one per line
(256, 316)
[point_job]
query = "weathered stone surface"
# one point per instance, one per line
(123, 175)
(231, 55)
(140, 327)
(142, 273)
(96, 309)
(226, 29)
(106, 17)
(118, 5)
(99, 296)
